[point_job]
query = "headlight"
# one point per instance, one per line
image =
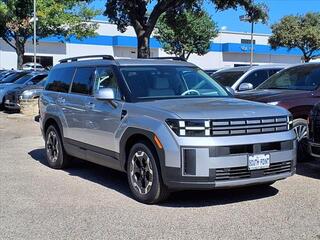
(273, 103)
(194, 128)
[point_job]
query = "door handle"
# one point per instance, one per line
(90, 105)
(61, 100)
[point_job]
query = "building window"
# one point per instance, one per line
(247, 41)
(45, 61)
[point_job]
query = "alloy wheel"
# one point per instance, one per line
(141, 172)
(52, 146)
(301, 131)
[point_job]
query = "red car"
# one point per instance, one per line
(295, 88)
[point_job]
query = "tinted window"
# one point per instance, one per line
(83, 80)
(14, 77)
(256, 77)
(227, 78)
(24, 79)
(274, 71)
(59, 80)
(170, 82)
(305, 77)
(105, 78)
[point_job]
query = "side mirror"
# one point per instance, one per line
(105, 94)
(231, 90)
(245, 87)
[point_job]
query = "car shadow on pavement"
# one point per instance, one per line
(309, 169)
(117, 181)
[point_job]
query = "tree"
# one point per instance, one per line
(63, 18)
(143, 15)
(185, 33)
(300, 31)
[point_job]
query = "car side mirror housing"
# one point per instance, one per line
(105, 94)
(231, 90)
(245, 87)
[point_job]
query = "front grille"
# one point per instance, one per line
(249, 126)
(243, 172)
(11, 97)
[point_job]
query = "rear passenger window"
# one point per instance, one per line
(59, 80)
(82, 82)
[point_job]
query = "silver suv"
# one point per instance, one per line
(165, 123)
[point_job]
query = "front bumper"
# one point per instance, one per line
(314, 149)
(224, 164)
(12, 105)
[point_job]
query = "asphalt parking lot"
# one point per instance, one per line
(91, 202)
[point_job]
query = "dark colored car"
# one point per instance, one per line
(13, 97)
(295, 88)
(13, 77)
(5, 74)
(314, 132)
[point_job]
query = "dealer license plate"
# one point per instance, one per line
(258, 161)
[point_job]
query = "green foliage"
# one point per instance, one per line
(257, 13)
(143, 15)
(64, 18)
(186, 32)
(300, 31)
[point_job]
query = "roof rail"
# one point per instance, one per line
(170, 58)
(75, 59)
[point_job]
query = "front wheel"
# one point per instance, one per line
(144, 175)
(300, 127)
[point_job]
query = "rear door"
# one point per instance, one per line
(74, 103)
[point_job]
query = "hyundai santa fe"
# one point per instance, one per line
(165, 123)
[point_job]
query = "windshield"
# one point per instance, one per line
(304, 77)
(12, 78)
(227, 78)
(24, 79)
(159, 82)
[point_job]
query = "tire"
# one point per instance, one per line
(302, 148)
(144, 176)
(56, 156)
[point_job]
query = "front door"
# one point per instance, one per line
(103, 117)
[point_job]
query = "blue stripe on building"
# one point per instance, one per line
(126, 41)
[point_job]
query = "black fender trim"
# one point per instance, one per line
(56, 119)
(150, 135)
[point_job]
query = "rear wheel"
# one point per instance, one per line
(300, 127)
(56, 156)
(144, 175)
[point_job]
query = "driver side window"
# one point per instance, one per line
(105, 78)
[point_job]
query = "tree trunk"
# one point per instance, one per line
(143, 46)
(20, 53)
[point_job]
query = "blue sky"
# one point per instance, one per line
(230, 18)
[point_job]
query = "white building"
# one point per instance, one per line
(228, 49)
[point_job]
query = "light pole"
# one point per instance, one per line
(246, 18)
(35, 34)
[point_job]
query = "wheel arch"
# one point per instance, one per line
(132, 136)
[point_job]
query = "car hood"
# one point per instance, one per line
(272, 95)
(214, 108)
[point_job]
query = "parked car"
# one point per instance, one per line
(314, 132)
(165, 129)
(296, 89)
(30, 66)
(5, 74)
(21, 80)
(14, 97)
(245, 78)
(210, 71)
